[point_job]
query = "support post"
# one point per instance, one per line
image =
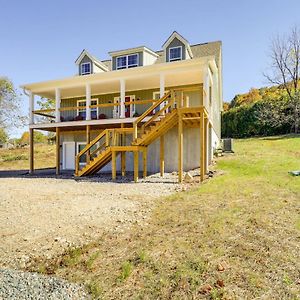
(136, 165)
(180, 148)
(205, 145)
(123, 153)
(145, 162)
(202, 147)
(123, 163)
(113, 166)
(122, 98)
(88, 102)
(88, 140)
(57, 105)
(162, 155)
(31, 107)
(31, 151)
(57, 150)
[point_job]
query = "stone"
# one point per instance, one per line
(188, 177)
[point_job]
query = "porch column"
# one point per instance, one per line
(31, 107)
(57, 150)
(31, 151)
(161, 88)
(57, 105)
(88, 102)
(122, 98)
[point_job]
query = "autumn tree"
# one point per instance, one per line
(285, 71)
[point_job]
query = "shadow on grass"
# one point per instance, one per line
(281, 137)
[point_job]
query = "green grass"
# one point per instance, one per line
(236, 236)
(18, 159)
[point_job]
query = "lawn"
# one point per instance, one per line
(17, 159)
(236, 236)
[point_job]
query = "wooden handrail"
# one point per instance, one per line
(147, 112)
(158, 113)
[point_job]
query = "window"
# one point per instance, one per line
(82, 112)
(175, 53)
(127, 61)
(85, 68)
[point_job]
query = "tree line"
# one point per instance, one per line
(273, 110)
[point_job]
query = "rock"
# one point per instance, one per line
(188, 177)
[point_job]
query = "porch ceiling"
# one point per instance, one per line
(140, 78)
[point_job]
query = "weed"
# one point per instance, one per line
(90, 261)
(72, 257)
(94, 289)
(126, 270)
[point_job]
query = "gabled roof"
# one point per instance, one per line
(97, 62)
(175, 34)
(130, 50)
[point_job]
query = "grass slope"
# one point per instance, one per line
(237, 236)
(17, 159)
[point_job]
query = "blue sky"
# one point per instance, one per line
(40, 40)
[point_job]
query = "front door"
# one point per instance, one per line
(69, 155)
(127, 107)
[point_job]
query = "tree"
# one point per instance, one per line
(3, 136)
(38, 138)
(10, 113)
(285, 70)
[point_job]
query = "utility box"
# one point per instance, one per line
(228, 145)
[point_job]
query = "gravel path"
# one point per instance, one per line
(44, 216)
(24, 286)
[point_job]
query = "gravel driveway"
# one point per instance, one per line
(43, 216)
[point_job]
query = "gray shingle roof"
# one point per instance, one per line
(199, 50)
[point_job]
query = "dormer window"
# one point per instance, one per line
(86, 68)
(127, 61)
(175, 53)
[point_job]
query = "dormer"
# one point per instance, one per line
(88, 64)
(176, 48)
(133, 57)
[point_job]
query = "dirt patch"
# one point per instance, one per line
(44, 216)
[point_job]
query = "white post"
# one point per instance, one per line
(122, 98)
(57, 105)
(88, 102)
(31, 107)
(162, 89)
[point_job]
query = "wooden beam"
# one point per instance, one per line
(113, 166)
(136, 165)
(88, 140)
(180, 148)
(123, 163)
(145, 162)
(162, 155)
(202, 148)
(31, 151)
(205, 145)
(57, 150)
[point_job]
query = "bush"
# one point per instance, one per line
(265, 117)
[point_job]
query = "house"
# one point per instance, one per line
(141, 110)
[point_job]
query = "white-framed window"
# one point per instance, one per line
(127, 61)
(175, 53)
(82, 112)
(85, 68)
